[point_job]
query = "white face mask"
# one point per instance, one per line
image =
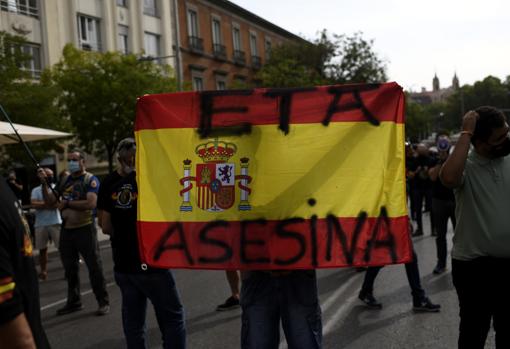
(73, 166)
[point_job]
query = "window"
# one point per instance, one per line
(151, 42)
(193, 23)
(198, 83)
(268, 48)
(122, 3)
(150, 8)
(253, 44)
(122, 43)
(236, 36)
(216, 31)
(34, 64)
(22, 7)
(221, 82)
(88, 32)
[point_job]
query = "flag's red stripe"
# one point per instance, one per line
(183, 110)
(274, 246)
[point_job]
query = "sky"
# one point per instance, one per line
(417, 39)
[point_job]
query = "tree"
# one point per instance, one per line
(335, 59)
(25, 100)
(99, 93)
(357, 62)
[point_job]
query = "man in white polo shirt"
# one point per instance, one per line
(481, 244)
(47, 223)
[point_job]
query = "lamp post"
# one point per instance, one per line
(440, 121)
(157, 58)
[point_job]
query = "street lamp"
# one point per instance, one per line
(152, 58)
(440, 121)
(157, 58)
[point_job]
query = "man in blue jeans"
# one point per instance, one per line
(268, 296)
(136, 281)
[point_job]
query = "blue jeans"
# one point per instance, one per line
(268, 297)
(160, 288)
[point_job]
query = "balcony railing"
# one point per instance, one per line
(20, 7)
(220, 51)
(196, 44)
(256, 62)
(239, 57)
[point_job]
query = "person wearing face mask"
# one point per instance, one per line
(78, 197)
(138, 283)
(47, 220)
(481, 244)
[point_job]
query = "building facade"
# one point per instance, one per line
(211, 44)
(437, 94)
(223, 45)
(128, 26)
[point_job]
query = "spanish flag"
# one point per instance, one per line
(273, 178)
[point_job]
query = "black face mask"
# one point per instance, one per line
(49, 179)
(501, 150)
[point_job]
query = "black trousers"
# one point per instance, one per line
(419, 194)
(413, 277)
(443, 211)
(82, 241)
(483, 291)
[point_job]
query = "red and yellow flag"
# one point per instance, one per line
(273, 178)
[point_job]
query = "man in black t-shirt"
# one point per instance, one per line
(136, 281)
(443, 203)
(20, 317)
(420, 185)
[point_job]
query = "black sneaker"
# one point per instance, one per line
(369, 300)
(418, 232)
(69, 308)
(439, 270)
(425, 305)
(230, 303)
(103, 309)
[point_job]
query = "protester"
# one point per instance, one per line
(443, 203)
(137, 282)
(79, 235)
(232, 302)
(47, 221)
(481, 244)
(290, 296)
(15, 185)
(20, 317)
(420, 185)
(421, 303)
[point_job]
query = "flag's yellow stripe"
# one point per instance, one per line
(345, 167)
(6, 288)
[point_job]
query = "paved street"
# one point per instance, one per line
(346, 322)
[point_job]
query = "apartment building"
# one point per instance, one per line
(223, 45)
(128, 26)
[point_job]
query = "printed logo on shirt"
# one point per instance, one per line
(125, 197)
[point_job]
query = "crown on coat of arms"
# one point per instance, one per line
(215, 151)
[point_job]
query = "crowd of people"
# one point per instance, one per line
(470, 188)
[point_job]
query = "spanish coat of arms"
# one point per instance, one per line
(216, 179)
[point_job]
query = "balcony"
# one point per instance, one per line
(220, 51)
(256, 62)
(196, 44)
(239, 57)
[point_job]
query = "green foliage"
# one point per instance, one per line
(421, 121)
(99, 93)
(26, 101)
(329, 59)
